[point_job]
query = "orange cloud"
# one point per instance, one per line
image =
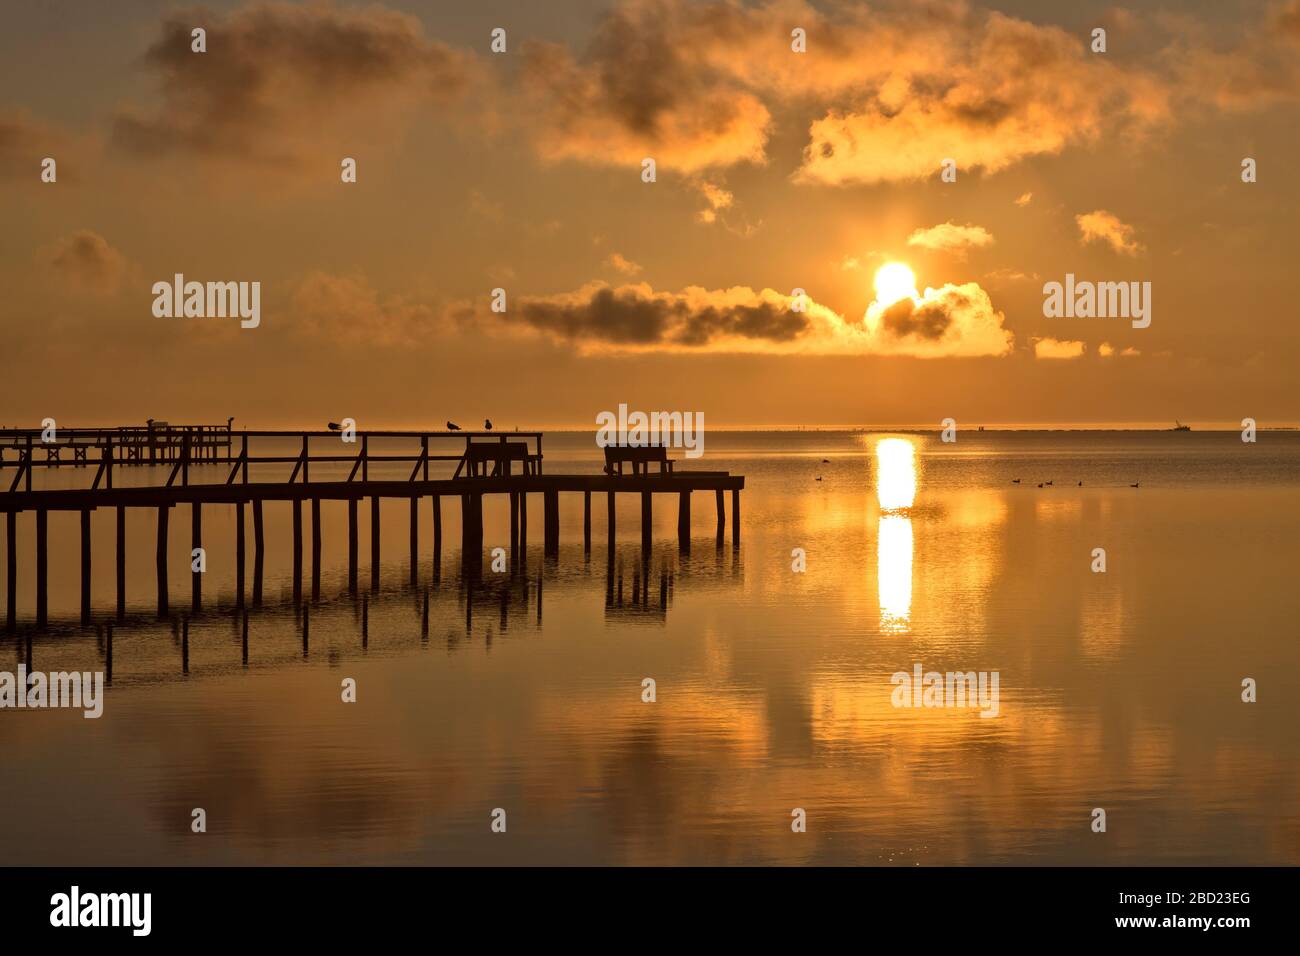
(1102, 226)
(621, 263)
(1058, 349)
(949, 237)
(983, 89)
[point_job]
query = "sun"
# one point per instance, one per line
(894, 281)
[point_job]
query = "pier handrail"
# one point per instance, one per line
(189, 440)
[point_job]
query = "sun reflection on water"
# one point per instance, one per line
(896, 490)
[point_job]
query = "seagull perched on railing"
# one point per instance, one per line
(452, 427)
(487, 423)
(335, 426)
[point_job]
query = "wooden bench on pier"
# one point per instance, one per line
(640, 459)
(494, 459)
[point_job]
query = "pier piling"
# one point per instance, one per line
(586, 523)
(42, 568)
(551, 522)
(239, 554)
(415, 540)
(85, 567)
(297, 550)
(315, 549)
(196, 576)
(259, 552)
(11, 571)
(160, 558)
(684, 521)
(374, 542)
(352, 545)
(645, 522)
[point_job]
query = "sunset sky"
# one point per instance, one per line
(776, 170)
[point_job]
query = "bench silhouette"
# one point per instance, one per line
(499, 455)
(640, 459)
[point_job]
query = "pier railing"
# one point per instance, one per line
(190, 446)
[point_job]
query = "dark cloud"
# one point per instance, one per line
(88, 261)
(277, 79)
(643, 89)
(905, 317)
(637, 316)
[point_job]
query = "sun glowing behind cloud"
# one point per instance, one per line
(894, 281)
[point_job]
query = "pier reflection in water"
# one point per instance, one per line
(452, 609)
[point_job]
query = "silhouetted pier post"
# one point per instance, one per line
(297, 550)
(684, 521)
(374, 542)
(196, 543)
(523, 523)
(11, 571)
(437, 536)
(611, 523)
(239, 554)
(551, 522)
(42, 568)
(722, 515)
(352, 545)
(259, 551)
(121, 563)
(85, 567)
(514, 527)
(645, 522)
(735, 516)
(415, 540)
(315, 549)
(586, 523)
(471, 524)
(160, 558)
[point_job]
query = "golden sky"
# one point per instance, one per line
(775, 171)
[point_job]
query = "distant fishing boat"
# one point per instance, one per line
(1180, 427)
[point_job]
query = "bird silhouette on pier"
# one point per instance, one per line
(487, 424)
(452, 426)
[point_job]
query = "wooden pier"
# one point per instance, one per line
(153, 443)
(483, 465)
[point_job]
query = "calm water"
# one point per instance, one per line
(523, 690)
